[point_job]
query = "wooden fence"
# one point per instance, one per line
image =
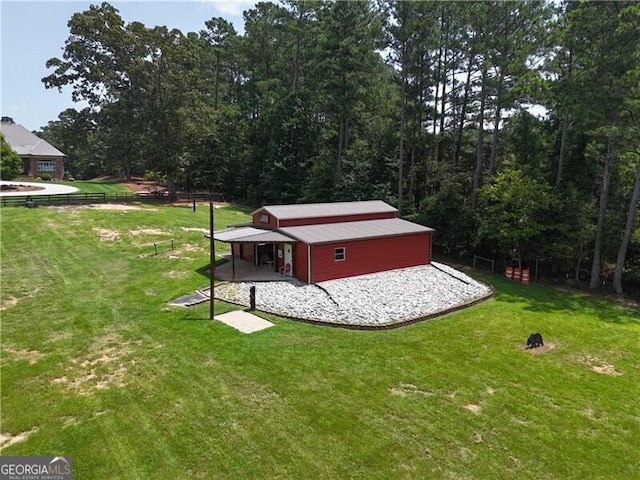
(87, 198)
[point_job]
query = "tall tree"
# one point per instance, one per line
(512, 212)
(71, 133)
(603, 58)
(352, 32)
(221, 38)
(630, 24)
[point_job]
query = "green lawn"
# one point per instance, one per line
(97, 366)
(99, 186)
(92, 186)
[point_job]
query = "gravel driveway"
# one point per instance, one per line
(374, 300)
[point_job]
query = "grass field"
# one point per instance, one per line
(96, 365)
(101, 185)
(98, 186)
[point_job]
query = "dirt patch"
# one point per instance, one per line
(6, 439)
(32, 356)
(405, 389)
(113, 206)
(59, 336)
(139, 185)
(12, 301)
(256, 395)
(69, 421)
(473, 408)
(107, 235)
(148, 231)
(599, 366)
(183, 251)
(8, 303)
(105, 365)
(195, 229)
(176, 274)
(546, 348)
(100, 206)
(189, 247)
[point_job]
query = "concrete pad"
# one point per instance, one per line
(243, 321)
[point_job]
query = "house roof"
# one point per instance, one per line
(26, 143)
(250, 235)
(308, 210)
(359, 230)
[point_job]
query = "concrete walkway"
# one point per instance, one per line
(45, 189)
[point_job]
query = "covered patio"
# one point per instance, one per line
(237, 270)
(256, 254)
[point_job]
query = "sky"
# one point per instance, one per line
(34, 32)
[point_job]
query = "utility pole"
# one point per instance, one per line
(212, 255)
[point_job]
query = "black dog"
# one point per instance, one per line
(535, 340)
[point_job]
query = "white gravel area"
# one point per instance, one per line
(373, 300)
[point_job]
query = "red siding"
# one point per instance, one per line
(247, 252)
(256, 219)
(295, 222)
(369, 256)
(301, 261)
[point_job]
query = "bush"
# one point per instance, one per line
(153, 176)
(45, 176)
(10, 163)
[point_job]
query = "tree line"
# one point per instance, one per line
(512, 128)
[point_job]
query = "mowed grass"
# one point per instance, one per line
(96, 365)
(99, 186)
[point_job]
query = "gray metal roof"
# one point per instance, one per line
(250, 235)
(26, 143)
(344, 231)
(307, 210)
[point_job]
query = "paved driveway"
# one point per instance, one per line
(46, 189)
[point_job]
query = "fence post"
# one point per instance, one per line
(252, 298)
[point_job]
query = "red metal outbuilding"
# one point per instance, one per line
(325, 241)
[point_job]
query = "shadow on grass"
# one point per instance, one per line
(189, 317)
(541, 298)
(205, 270)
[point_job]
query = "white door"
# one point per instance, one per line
(288, 256)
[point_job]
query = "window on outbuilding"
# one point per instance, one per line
(264, 218)
(339, 254)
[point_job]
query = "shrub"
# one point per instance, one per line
(45, 176)
(153, 176)
(10, 163)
